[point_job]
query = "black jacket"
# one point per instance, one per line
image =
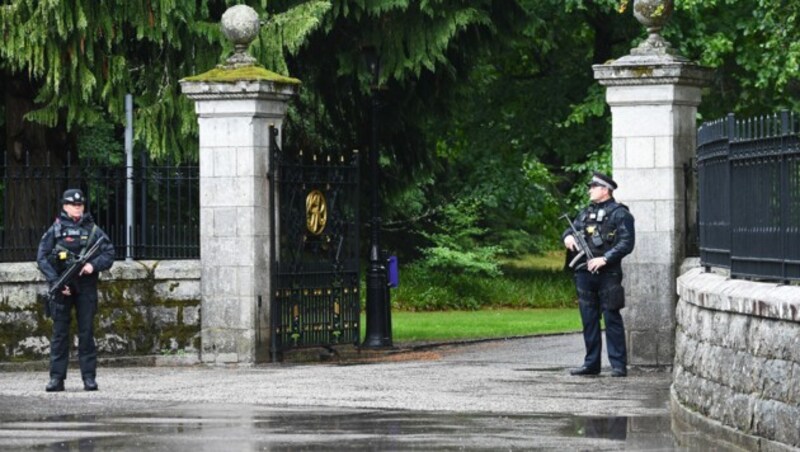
(613, 237)
(71, 236)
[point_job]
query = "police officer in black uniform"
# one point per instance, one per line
(72, 233)
(607, 227)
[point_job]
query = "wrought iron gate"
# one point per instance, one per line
(315, 301)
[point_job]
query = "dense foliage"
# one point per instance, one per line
(489, 117)
(753, 45)
(82, 57)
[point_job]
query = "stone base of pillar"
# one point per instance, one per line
(228, 346)
(650, 313)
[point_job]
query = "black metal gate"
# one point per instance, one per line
(315, 301)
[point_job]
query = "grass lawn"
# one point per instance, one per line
(527, 282)
(458, 325)
(533, 296)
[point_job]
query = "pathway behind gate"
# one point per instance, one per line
(512, 394)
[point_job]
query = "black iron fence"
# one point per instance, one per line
(749, 195)
(164, 201)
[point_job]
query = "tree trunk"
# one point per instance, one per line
(34, 172)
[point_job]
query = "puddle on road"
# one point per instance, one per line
(213, 428)
(613, 427)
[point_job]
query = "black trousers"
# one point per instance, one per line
(85, 305)
(593, 289)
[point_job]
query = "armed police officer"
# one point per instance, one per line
(70, 236)
(607, 229)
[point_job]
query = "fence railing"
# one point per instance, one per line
(165, 201)
(749, 195)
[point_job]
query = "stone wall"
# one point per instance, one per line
(737, 360)
(145, 308)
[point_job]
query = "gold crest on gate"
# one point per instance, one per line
(316, 212)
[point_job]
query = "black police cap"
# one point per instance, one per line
(72, 196)
(601, 179)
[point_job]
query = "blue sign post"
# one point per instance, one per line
(393, 272)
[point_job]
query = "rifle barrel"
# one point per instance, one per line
(73, 269)
(582, 245)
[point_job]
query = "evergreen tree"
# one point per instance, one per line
(68, 64)
(483, 101)
(427, 50)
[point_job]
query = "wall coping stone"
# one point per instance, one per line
(717, 292)
(688, 264)
(26, 272)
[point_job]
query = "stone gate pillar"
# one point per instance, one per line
(235, 104)
(653, 95)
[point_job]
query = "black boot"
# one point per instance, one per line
(619, 372)
(55, 385)
(583, 370)
(89, 384)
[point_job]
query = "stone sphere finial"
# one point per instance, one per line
(240, 24)
(653, 14)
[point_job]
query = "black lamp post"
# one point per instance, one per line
(379, 329)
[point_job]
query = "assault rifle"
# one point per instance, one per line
(580, 258)
(72, 271)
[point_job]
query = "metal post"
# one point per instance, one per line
(378, 321)
(129, 177)
(272, 173)
(143, 203)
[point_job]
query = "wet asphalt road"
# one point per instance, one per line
(500, 395)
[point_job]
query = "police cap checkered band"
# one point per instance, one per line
(73, 195)
(603, 181)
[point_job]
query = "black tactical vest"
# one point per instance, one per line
(599, 229)
(70, 241)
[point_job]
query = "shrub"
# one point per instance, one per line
(422, 289)
(456, 246)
